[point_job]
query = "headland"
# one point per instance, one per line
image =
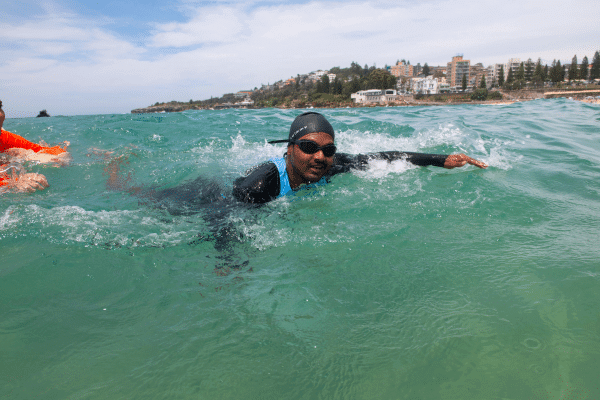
(504, 97)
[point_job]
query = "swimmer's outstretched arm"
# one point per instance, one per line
(344, 162)
(459, 160)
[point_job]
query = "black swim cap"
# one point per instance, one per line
(308, 122)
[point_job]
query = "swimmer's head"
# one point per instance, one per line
(310, 122)
(306, 123)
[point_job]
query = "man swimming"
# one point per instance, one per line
(311, 159)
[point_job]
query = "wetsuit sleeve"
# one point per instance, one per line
(346, 162)
(8, 140)
(260, 185)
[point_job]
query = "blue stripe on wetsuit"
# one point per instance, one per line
(284, 180)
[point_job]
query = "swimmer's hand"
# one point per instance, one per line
(27, 183)
(459, 160)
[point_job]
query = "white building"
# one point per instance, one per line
(315, 76)
(427, 85)
(374, 96)
(247, 102)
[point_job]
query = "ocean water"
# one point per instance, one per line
(398, 282)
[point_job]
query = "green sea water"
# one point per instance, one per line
(398, 282)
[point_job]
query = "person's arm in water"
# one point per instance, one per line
(459, 160)
(10, 140)
(346, 162)
(21, 155)
(29, 182)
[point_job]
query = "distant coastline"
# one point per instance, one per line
(508, 97)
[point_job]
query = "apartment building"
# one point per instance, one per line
(456, 69)
(476, 72)
(401, 69)
(492, 73)
(512, 65)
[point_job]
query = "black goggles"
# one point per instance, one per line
(310, 147)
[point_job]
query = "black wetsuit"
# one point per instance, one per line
(261, 184)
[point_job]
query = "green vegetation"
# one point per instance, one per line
(479, 94)
(595, 70)
(324, 92)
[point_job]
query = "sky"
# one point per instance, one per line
(108, 57)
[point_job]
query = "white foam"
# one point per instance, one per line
(100, 227)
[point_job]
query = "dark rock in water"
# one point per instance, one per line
(43, 113)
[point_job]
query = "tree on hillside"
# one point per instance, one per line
(323, 84)
(529, 66)
(557, 72)
(539, 70)
(595, 70)
(336, 87)
(573, 69)
(501, 76)
(355, 69)
(464, 82)
(380, 79)
(537, 78)
(483, 84)
(426, 71)
(521, 72)
(351, 86)
(583, 70)
(510, 78)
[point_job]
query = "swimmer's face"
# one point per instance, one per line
(307, 168)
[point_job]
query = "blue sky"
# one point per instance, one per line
(95, 57)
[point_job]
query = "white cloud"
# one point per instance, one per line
(61, 56)
(209, 25)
